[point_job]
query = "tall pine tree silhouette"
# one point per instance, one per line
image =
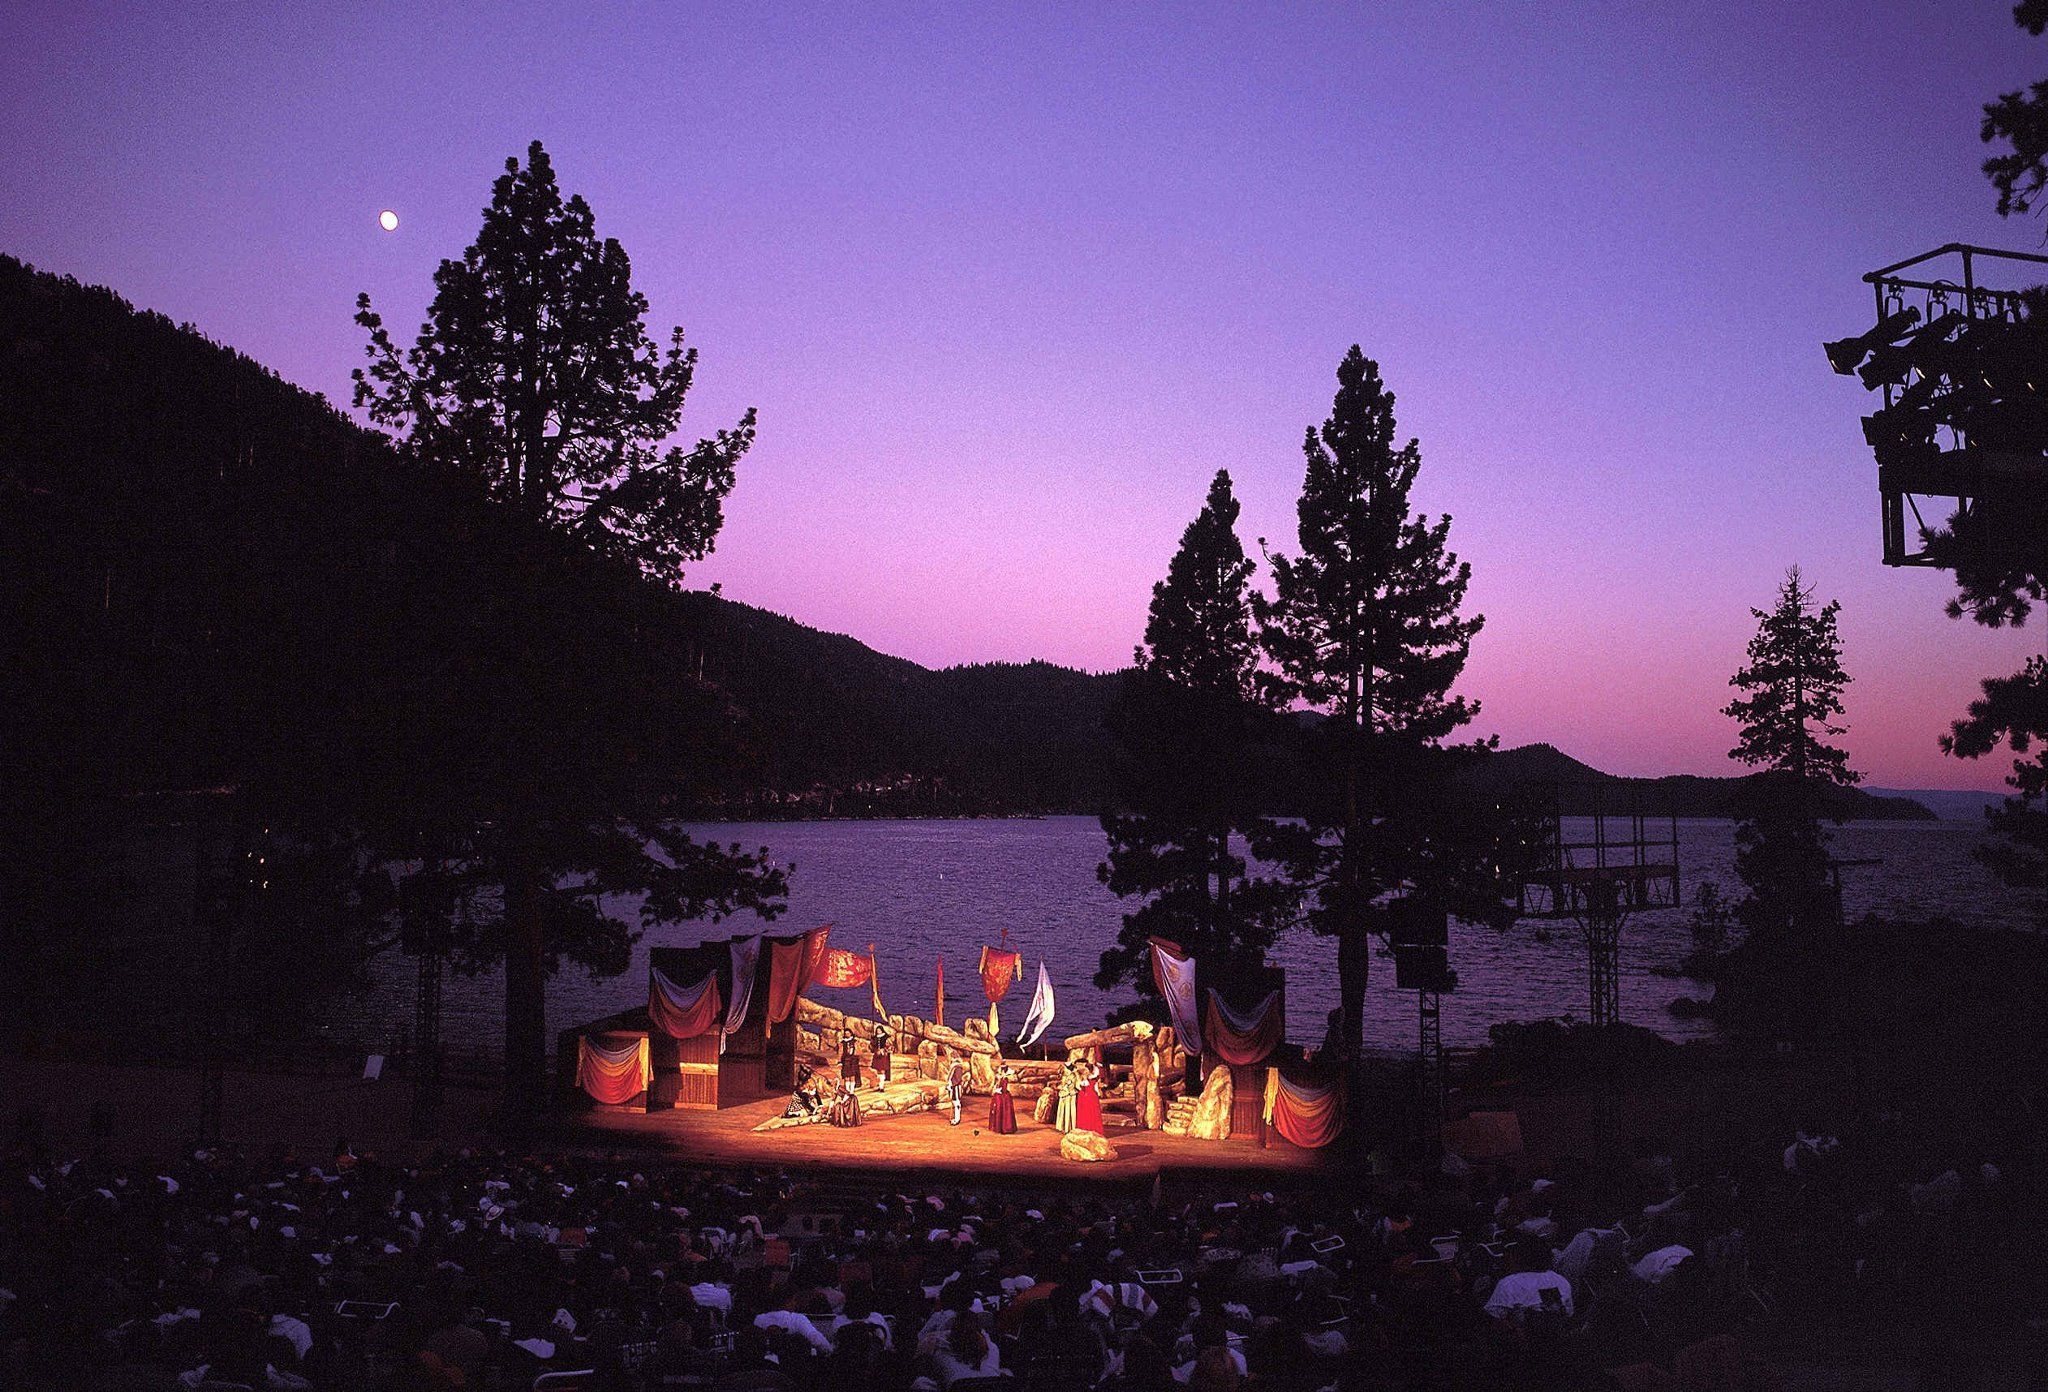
(535, 378)
(1365, 627)
(1185, 726)
(1791, 707)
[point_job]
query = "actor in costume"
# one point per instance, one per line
(849, 1059)
(956, 1084)
(884, 1065)
(1070, 1084)
(1088, 1099)
(845, 1105)
(1002, 1111)
(805, 1100)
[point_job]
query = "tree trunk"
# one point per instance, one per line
(1354, 970)
(525, 975)
(1354, 946)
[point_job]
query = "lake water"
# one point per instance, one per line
(920, 890)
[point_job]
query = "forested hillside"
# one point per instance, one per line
(216, 577)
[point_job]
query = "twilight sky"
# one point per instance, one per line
(1008, 285)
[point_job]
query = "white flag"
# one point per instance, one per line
(1039, 1018)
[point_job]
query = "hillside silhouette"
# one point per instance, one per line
(207, 557)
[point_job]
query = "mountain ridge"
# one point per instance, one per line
(168, 484)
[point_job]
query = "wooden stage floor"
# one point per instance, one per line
(924, 1143)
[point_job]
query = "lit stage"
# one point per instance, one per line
(924, 1142)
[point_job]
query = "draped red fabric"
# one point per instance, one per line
(683, 1012)
(842, 968)
(998, 970)
(1238, 1040)
(1310, 1115)
(612, 1076)
(791, 968)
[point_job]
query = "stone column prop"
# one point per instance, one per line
(1146, 1103)
(1211, 1121)
(981, 1063)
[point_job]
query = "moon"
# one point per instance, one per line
(388, 220)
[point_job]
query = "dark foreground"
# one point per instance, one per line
(130, 1263)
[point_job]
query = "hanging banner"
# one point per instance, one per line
(998, 971)
(1173, 972)
(1310, 1115)
(792, 967)
(612, 1076)
(746, 959)
(875, 984)
(1242, 1039)
(842, 969)
(1038, 1019)
(683, 1012)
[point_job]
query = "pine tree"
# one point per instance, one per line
(2013, 713)
(1186, 726)
(1793, 682)
(535, 379)
(1365, 627)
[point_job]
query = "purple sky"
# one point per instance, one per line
(1008, 286)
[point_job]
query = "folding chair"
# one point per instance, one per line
(578, 1380)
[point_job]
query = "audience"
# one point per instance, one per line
(477, 1270)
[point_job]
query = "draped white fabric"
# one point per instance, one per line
(1039, 1018)
(672, 1007)
(622, 1054)
(1175, 977)
(746, 956)
(1249, 1022)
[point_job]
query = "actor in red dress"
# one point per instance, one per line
(1088, 1101)
(1002, 1110)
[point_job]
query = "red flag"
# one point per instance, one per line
(939, 1012)
(844, 968)
(998, 970)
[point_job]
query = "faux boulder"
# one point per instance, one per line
(1085, 1146)
(1211, 1121)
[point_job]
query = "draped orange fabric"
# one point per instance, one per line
(998, 970)
(612, 1075)
(1242, 1040)
(1310, 1115)
(842, 968)
(791, 968)
(683, 1012)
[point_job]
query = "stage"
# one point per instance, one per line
(925, 1143)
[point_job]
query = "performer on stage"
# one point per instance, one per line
(849, 1059)
(956, 1084)
(1069, 1085)
(884, 1064)
(805, 1100)
(1088, 1099)
(845, 1105)
(1002, 1111)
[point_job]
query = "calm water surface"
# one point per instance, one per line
(921, 890)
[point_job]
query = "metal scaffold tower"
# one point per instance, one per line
(1595, 866)
(1955, 357)
(1420, 937)
(427, 1056)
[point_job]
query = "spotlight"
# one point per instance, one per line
(1845, 353)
